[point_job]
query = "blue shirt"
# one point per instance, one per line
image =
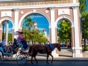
(3, 43)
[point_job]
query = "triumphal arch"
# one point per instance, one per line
(52, 10)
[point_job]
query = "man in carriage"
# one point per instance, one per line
(3, 44)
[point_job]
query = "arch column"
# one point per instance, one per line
(6, 32)
(52, 30)
(73, 39)
(52, 12)
(16, 16)
(1, 34)
(78, 47)
(74, 1)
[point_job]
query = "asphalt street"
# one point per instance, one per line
(43, 63)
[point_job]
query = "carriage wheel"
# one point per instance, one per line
(1, 57)
(21, 59)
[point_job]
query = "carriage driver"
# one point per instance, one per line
(19, 38)
(21, 41)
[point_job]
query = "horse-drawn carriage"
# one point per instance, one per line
(22, 57)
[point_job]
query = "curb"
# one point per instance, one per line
(55, 59)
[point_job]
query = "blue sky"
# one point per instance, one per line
(87, 4)
(10, 26)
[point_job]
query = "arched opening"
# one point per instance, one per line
(39, 21)
(64, 37)
(7, 31)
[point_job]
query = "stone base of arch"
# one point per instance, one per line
(77, 55)
(77, 52)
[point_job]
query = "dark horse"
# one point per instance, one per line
(43, 49)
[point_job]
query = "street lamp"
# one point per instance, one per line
(84, 36)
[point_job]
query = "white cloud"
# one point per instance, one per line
(41, 28)
(38, 16)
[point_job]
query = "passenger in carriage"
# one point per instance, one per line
(7, 48)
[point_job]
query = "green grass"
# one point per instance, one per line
(86, 47)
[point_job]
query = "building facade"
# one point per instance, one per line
(52, 10)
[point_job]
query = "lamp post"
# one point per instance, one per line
(84, 36)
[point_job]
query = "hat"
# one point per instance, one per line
(21, 32)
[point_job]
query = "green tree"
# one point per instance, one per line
(82, 6)
(29, 23)
(64, 31)
(33, 35)
(10, 37)
(41, 38)
(27, 28)
(85, 24)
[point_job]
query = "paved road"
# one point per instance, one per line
(43, 63)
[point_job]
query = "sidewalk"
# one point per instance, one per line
(64, 54)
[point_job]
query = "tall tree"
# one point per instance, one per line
(85, 24)
(82, 6)
(28, 26)
(64, 31)
(29, 23)
(34, 34)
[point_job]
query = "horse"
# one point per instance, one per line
(43, 49)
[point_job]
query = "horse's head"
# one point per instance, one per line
(58, 46)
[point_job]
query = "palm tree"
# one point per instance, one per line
(82, 6)
(29, 23)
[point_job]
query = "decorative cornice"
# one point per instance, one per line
(75, 7)
(35, 3)
(16, 9)
(51, 8)
(39, 6)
